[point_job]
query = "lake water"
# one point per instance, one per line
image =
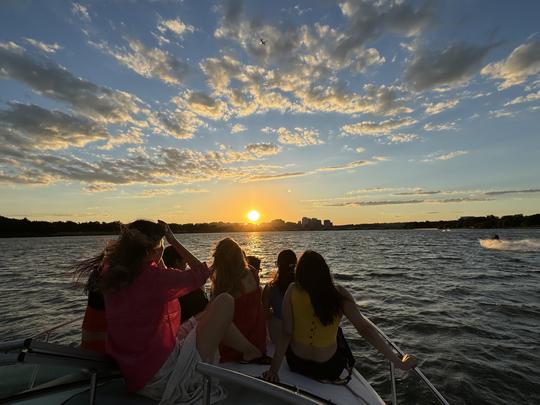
(470, 312)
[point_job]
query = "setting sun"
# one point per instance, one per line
(253, 215)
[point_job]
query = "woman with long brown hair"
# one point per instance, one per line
(157, 357)
(313, 307)
(273, 292)
(232, 275)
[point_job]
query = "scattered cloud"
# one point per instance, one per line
(148, 62)
(81, 11)
(453, 65)
(436, 108)
(371, 128)
(298, 136)
(237, 128)
(401, 138)
(29, 126)
(175, 26)
(193, 190)
(53, 81)
(444, 126)
(525, 99)
(501, 192)
(502, 113)
(42, 46)
(523, 62)
(445, 156)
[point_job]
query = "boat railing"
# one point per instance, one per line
(283, 394)
(36, 353)
(416, 370)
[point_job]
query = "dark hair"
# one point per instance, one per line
(254, 261)
(313, 275)
(286, 261)
(123, 256)
(171, 256)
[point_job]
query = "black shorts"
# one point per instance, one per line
(329, 370)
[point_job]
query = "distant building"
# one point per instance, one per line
(328, 224)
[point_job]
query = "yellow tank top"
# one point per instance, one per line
(307, 328)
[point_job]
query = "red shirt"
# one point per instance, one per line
(250, 320)
(143, 320)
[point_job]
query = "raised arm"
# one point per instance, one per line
(371, 334)
(180, 249)
(285, 338)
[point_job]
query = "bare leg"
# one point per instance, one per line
(215, 325)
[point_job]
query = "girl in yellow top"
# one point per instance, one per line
(312, 310)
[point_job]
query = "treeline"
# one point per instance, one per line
(487, 222)
(11, 227)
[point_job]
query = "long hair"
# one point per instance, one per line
(313, 275)
(124, 257)
(286, 261)
(229, 266)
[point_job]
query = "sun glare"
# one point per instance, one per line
(253, 215)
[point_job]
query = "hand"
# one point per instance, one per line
(271, 376)
(407, 362)
(168, 233)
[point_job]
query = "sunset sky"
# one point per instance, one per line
(194, 111)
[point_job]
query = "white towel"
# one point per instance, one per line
(177, 381)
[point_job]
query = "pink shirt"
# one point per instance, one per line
(143, 320)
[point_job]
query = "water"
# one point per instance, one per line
(470, 313)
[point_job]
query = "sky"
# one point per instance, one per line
(195, 111)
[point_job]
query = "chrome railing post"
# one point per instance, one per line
(393, 383)
(207, 389)
(93, 387)
(432, 388)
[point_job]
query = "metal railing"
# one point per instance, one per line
(416, 369)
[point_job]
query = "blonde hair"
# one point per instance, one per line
(230, 267)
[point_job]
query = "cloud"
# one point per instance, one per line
(155, 192)
(437, 108)
(502, 113)
(444, 126)
(524, 61)
(371, 128)
(400, 202)
(236, 128)
(204, 105)
(156, 166)
(345, 166)
(401, 138)
(525, 99)
(42, 46)
(446, 156)
(298, 136)
(33, 127)
(175, 26)
(263, 149)
(193, 190)
(53, 81)
(178, 124)
(130, 136)
(148, 62)
(267, 177)
(99, 188)
(501, 192)
(453, 65)
(360, 150)
(81, 11)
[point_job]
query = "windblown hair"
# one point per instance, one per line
(286, 261)
(230, 266)
(124, 257)
(313, 275)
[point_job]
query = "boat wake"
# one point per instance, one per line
(523, 245)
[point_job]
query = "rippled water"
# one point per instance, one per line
(470, 313)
